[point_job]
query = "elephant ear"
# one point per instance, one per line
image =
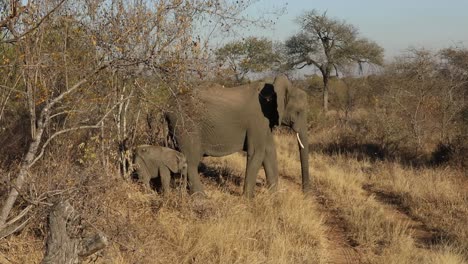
(172, 163)
(281, 85)
(273, 99)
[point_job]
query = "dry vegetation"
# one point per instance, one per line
(388, 161)
(285, 227)
(382, 230)
(226, 228)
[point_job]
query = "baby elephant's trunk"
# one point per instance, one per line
(183, 170)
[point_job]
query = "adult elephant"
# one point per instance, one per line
(218, 121)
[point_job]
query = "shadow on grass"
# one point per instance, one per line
(156, 184)
(369, 151)
(426, 236)
(223, 177)
(442, 155)
(218, 175)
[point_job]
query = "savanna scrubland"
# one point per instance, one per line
(81, 83)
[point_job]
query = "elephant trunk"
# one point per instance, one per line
(303, 144)
(141, 169)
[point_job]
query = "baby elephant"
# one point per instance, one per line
(155, 161)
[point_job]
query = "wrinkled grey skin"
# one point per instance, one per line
(154, 161)
(218, 121)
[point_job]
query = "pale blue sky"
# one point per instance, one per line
(393, 24)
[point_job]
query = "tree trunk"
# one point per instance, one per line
(61, 249)
(20, 179)
(325, 92)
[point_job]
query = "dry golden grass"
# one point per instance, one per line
(144, 227)
(290, 218)
(436, 196)
(381, 237)
(223, 229)
(284, 227)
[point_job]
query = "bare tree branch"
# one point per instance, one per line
(37, 25)
(95, 126)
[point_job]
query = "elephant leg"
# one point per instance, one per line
(191, 148)
(270, 164)
(254, 162)
(165, 175)
(144, 177)
(194, 182)
(143, 172)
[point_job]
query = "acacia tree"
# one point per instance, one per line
(329, 44)
(248, 55)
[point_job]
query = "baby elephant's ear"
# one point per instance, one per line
(172, 162)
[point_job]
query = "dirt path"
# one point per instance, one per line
(396, 211)
(342, 249)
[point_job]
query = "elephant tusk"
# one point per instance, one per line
(299, 140)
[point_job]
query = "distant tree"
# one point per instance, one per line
(454, 92)
(456, 60)
(249, 55)
(424, 95)
(328, 44)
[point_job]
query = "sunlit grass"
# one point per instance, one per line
(282, 227)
